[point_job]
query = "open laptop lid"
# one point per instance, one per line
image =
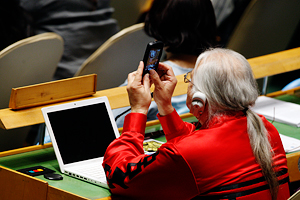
(80, 130)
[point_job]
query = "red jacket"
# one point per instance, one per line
(210, 162)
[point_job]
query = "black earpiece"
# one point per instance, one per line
(198, 102)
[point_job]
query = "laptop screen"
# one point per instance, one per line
(82, 133)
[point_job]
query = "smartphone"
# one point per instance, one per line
(152, 56)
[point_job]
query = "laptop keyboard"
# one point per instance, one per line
(92, 170)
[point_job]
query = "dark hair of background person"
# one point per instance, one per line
(184, 26)
(15, 23)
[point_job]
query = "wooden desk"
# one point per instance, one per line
(71, 188)
(13, 183)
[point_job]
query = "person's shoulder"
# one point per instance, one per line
(178, 70)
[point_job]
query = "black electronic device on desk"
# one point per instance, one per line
(40, 170)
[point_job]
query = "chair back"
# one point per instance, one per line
(265, 27)
(29, 61)
(295, 83)
(295, 196)
(117, 57)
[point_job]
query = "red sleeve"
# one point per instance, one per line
(133, 174)
(174, 126)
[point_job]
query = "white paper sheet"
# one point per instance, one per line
(290, 144)
(277, 110)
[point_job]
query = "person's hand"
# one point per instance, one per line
(138, 90)
(165, 82)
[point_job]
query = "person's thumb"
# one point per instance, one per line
(155, 77)
(146, 82)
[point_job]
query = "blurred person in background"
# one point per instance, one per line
(187, 28)
(84, 25)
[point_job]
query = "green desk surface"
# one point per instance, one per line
(46, 158)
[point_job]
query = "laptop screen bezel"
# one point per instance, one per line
(72, 105)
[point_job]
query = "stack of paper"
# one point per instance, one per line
(290, 144)
(278, 110)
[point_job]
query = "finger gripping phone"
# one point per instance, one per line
(152, 56)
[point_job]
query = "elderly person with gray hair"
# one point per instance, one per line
(235, 154)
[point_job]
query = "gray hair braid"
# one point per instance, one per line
(226, 78)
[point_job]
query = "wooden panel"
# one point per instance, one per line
(275, 63)
(24, 149)
(294, 91)
(24, 187)
(55, 193)
(105, 198)
(117, 98)
(51, 92)
(293, 166)
(19, 118)
(262, 66)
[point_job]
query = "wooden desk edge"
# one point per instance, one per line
(275, 63)
(24, 150)
(55, 193)
(105, 198)
(117, 97)
(48, 192)
(293, 166)
(17, 185)
(292, 91)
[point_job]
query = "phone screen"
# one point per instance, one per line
(152, 56)
(153, 59)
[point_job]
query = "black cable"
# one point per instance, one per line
(122, 114)
(118, 116)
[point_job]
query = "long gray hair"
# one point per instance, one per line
(226, 78)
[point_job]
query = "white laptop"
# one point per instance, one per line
(80, 133)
